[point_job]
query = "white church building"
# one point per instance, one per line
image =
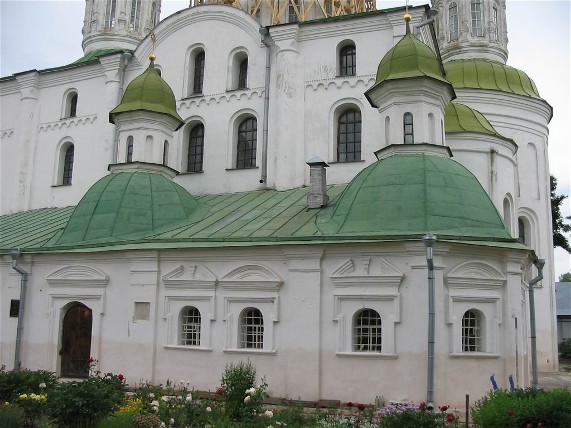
(352, 201)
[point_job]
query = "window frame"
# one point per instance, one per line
(190, 316)
(453, 22)
(69, 104)
(198, 165)
(110, 13)
(251, 330)
(135, 15)
(343, 134)
(67, 167)
(473, 339)
(366, 331)
(199, 62)
(243, 74)
(245, 135)
(476, 18)
(347, 59)
(408, 128)
(129, 149)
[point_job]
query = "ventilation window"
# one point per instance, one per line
(142, 311)
(14, 308)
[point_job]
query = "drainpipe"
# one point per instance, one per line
(539, 263)
(429, 241)
(114, 152)
(15, 254)
(266, 40)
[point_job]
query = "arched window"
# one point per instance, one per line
(166, 153)
(349, 136)
(476, 18)
(243, 74)
(110, 10)
(348, 60)
(195, 149)
(129, 157)
(198, 72)
(521, 231)
(472, 340)
(190, 326)
(251, 329)
(367, 331)
(67, 166)
(453, 21)
(495, 25)
(507, 214)
(408, 126)
(70, 104)
(135, 15)
(246, 147)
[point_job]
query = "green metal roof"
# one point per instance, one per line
(148, 92)
(128, 204)
(411, 195)
(461, 118)
(409, 58)
(259, 218)
(487, 74)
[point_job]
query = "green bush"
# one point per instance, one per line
(84, 404)
(11, 416)
(242, 398)
(14, 383)
(565, 348)
(501, 409)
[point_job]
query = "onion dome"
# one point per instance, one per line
(405, 196)
(487, 74)
(148, 92)
(129, 205)
(461, 118)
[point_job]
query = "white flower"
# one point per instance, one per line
(251, 391)
(163, 425)
(208, 410)
(42, 385)
(189, 398)
(171, 422)
(155, 409)
(155, 403)
(151, 395)
(166, 398)
(269, 413)
(247, 399)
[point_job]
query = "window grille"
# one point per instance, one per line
(110, 11)
(348, 61)
(408, 128)
(195, 149)
(367, 331)
(471, 332)
(198, 73)
(349, 136)
(246, 148)
(453, 21)
(68, 166)
(476, 15)
(190, 326)
(252, 329)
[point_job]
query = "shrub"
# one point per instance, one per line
(11, 416)
(411, 415)
(242, 398)
(84, 404)
(565, 348)
(14, 383)
(501, 409)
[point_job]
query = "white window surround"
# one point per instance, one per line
(191, 122)
(336, 110)
(252, 286)
(371, 283)
(477, 286)
(189, 285)
(66, 104)
(232, 147)
(60, 152)
(235, 58)
(188, 77)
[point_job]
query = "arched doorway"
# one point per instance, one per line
(76, 341)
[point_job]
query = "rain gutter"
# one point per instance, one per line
(539, 263)
(15, 254)
(267, 41)
(429, 241)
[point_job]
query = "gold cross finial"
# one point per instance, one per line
(152, 56)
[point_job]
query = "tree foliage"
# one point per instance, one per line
(560, 227)
(565, 277)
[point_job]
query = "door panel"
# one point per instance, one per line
(76, 341)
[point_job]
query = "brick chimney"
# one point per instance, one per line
(317, 196)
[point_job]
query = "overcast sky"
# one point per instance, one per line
(41, 34)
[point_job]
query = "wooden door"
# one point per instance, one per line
(76, 341)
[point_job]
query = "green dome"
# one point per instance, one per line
(461, 118)
(409, 195)
(128, 205)
(148, 92)
(486, 74)
(409, 58)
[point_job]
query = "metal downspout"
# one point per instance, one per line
(15, 254)
(429, 241)
(114, 152)
(265, 33)
(539, 265)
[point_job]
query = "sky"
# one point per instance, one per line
(38, 34)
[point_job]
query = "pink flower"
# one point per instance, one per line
(208, 410)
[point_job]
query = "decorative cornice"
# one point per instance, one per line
(223, 96)
(68, 122)
(193, 276)
(78, 276)
(475, 275)
(6, 133)
(378, 272)
(251, 277)
(365, 80)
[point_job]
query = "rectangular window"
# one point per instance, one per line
(453, 21)
(142, 311)
(110, 11)
(476, 15)
(198, 73)
(14, 308)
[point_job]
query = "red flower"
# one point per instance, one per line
(529, 425)
(361, 406)
(349, 404)
(450, 417)
(219, 391)
(422, 407)
(121, 377)
(91, 360)
(511, 412)
(540, 425)
(443, 408)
